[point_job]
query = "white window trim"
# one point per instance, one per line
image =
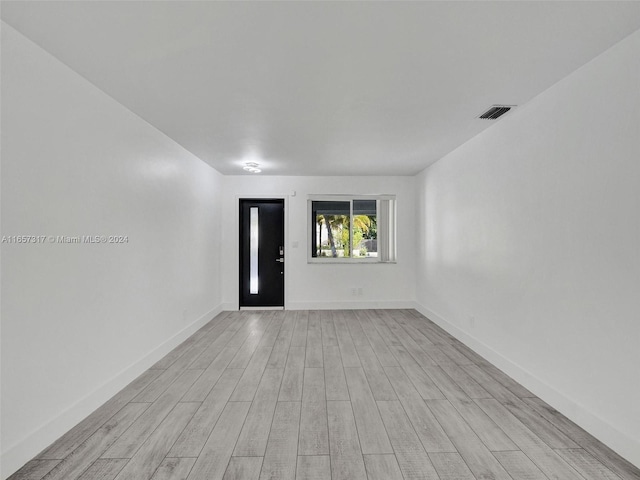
(386, 248)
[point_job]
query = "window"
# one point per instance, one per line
(352, 229)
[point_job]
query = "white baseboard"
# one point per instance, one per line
(35, 442)
(626, 446)
(361, 305)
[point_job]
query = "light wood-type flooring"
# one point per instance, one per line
(365, 394)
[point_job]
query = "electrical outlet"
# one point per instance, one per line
(472, 321)
(354, 291)
(360, 291)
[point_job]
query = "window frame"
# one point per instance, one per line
(389, 232)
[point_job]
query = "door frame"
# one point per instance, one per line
(236, 208)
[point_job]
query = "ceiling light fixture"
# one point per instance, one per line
(251, 167)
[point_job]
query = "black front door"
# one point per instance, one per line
(261, 253)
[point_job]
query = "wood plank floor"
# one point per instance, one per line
(367, 394)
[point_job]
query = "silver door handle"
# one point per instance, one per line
(281, 259)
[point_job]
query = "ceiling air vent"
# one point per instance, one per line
(496, 111)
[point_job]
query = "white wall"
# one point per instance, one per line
(314, 286)
(80, 321)
(529, 241)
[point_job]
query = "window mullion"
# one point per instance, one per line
(351, 228)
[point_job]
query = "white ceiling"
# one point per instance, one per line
(322, 88)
